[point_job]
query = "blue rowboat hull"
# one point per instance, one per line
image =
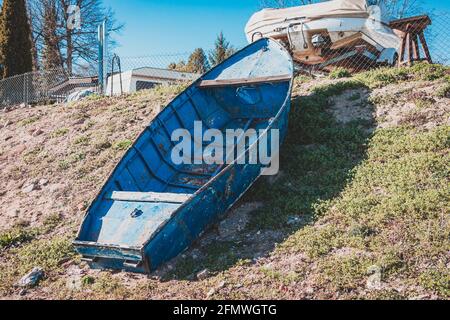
(152, 208)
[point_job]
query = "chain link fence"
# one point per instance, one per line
(363, 47)
(130, 74)
(402, 42)
(30, 87)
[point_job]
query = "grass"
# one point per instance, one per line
(29, 121)
(354, 97)
(380, 77)
(339, 72)
(318, 157)
(423, 103)
(15, 236)
(382, 197)
(368, 199)
(44, 253)
(82, 141)
(59, 133)
(21, 233)
(444, 91)
(393, 210)
(122, 145)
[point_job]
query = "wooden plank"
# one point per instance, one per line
(237, 82)
(409, 44)
(419, 23)
(148, 197)
(425, 47)
(402, 51)
(416, 53)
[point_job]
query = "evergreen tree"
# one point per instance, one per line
(198, 62)
(15, 39)
(221, 51)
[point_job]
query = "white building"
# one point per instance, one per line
(145, 78)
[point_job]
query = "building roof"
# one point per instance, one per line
(165, 74)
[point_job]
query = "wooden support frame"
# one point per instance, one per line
(411, 31)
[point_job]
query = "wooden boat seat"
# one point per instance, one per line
(239, 82)
(148, 197)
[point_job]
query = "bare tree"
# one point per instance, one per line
(77, 45)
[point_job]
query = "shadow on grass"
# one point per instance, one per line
(317, 161)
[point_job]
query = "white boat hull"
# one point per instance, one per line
(312, 40)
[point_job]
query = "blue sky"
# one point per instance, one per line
(177, 26)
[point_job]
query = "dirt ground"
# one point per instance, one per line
(55, 158)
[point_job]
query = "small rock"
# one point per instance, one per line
(43, 182)
(18, 149)
(211, 293)
(23, 292)
(309, 290)
(8, 138)
(82, 206)
(79, 122)
(74, 283)
(30, 188)
(32, 278)
(13, 213)
(37, 132)
(202, 275)
(2, 193)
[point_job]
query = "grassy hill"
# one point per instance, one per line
(359, 210)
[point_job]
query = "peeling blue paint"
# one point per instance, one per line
(151, 210)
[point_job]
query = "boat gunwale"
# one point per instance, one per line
(80, 243)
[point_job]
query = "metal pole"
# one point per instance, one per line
(105, 56)
(100, 58)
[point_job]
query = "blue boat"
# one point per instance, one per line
(152, 208)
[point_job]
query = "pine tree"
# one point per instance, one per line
(221, 51)
(15, 39)
(198, 62)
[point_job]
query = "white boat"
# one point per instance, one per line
(327, 33)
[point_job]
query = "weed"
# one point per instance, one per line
(437, 279)
(444, 91)
(29, 121)
(82, 141)
(339, 72)
(122, 145)
(60, 133)
(47, 254)
(64, 164)
(15, 236)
